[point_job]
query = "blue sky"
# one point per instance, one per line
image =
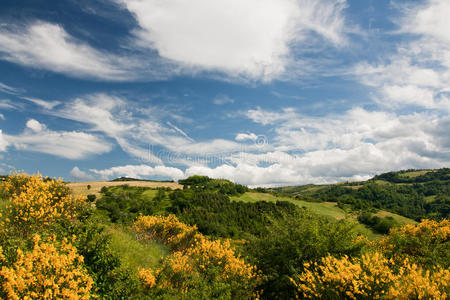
(261, 92)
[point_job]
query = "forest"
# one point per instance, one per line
(385, 238)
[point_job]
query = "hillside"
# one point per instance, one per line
(413, 194)
(211, 239)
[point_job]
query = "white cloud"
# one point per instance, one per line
(3, 142)
(418, 73)
(48, 46)
(35, 125)
(2, 117)
(119, 119)
(138, 171)
(8, 104)
(250, 38)
(9, 89)
(339, 147)
(430, 19)
(78, 174)
(45, 104)
(66, 144)
(246, 136)
(223, 99)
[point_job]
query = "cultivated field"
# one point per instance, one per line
(81, 188)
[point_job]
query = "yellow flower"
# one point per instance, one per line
(49, 271)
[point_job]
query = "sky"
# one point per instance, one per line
(260, 92)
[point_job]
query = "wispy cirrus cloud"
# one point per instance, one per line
(9, 89)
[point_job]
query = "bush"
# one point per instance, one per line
(426, 243)
(370, 277)
(293, 240)
(166, 230)
(49, 271)
(380, 225)
(35, 204)
(199, 268)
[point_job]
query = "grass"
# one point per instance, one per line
(328, 209)
(149, 194)
(134, 254)
(364, 230)
(429, 199)
(400, 219)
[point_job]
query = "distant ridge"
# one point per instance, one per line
(136, 179)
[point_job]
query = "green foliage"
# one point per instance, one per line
(214, 213)
(195, 180)
(124, 203)
(415, 176)
(221, 186)
(380, 224)
(292, 240)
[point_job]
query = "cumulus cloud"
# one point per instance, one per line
(348, 146)
(2, 117)
(138, 171)
(49, 46)
(78, 174)
(251, 38)
(35, 125)
(66, 144)
(246, 136)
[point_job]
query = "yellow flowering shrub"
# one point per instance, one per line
(198, 264)
(370, 277)
(426, 243)
(166, 230)
(37, 203)
(147, 278)
(49, 271)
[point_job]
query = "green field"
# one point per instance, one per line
(400, 219)
(329, 209)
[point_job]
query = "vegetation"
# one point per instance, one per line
(218, 240)
(136, 179)
(415, 194)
